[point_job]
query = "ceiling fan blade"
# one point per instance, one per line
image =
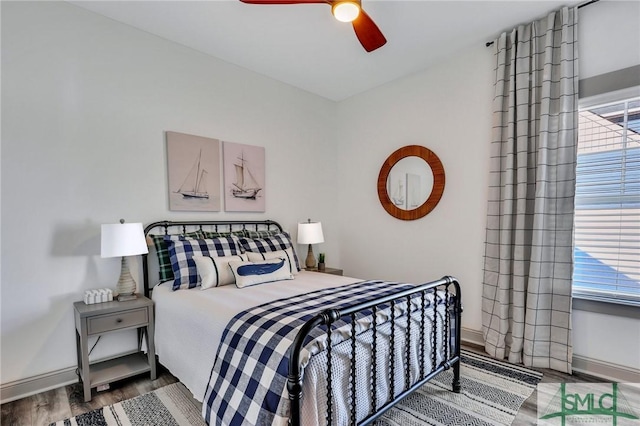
(368, 32)
(282, 1)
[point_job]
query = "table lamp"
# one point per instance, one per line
(122, 240)
(310, 233)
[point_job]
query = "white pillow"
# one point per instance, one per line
(214, 271)
(286, 254)
(263, 271)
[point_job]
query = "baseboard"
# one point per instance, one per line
(473, 337)
(582, 364)
(44, 382)
(36, 384)
(605, 370)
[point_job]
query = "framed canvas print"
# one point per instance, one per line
(244, 173)
(193, 164)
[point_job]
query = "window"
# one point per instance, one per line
(607, 215)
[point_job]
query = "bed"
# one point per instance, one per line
(260, 354)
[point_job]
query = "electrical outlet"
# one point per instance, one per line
(102, 387)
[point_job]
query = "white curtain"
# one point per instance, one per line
(526, 302)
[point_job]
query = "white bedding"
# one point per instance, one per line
(190, 323)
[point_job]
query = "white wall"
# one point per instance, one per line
(85, 103)
(448, 109)
(609, 37)
(608, 338)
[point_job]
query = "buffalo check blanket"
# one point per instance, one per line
(247, 385)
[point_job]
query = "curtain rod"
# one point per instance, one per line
(580, 6)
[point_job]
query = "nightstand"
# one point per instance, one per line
(332, 271)
(107, 317)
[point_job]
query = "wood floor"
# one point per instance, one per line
(61, 403)
(68, 401)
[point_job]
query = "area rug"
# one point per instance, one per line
(170, 405)
(492, 393)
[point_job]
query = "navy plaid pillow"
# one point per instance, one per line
(164, 262)
(181, 251)
(281, 241)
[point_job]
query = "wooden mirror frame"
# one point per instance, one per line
(438, 182)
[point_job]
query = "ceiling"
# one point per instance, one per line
(304, 46)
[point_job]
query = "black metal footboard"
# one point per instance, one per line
(422, 304)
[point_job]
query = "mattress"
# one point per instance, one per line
(189, 323)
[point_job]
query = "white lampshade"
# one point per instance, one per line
(122, 239)
(310, 233)
(345, 11)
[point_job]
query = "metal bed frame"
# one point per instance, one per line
(428, 368)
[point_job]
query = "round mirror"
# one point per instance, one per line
(411, 182)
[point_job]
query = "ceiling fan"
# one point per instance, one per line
(366, 30)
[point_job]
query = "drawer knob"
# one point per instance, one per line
(119, 320)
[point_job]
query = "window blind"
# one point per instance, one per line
(607, 204)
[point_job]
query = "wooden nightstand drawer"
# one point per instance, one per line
(110, 322)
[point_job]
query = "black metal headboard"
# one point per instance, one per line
(167, 227)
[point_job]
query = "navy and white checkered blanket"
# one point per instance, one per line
(247, 385)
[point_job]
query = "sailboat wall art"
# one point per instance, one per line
(193, 164)
(244, 177)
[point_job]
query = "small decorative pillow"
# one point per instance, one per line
(182, 250)
(281, 241)
(263, 271)
(280, 254)
(215, 271)
(164, 261)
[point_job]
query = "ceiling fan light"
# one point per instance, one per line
(345, 11)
